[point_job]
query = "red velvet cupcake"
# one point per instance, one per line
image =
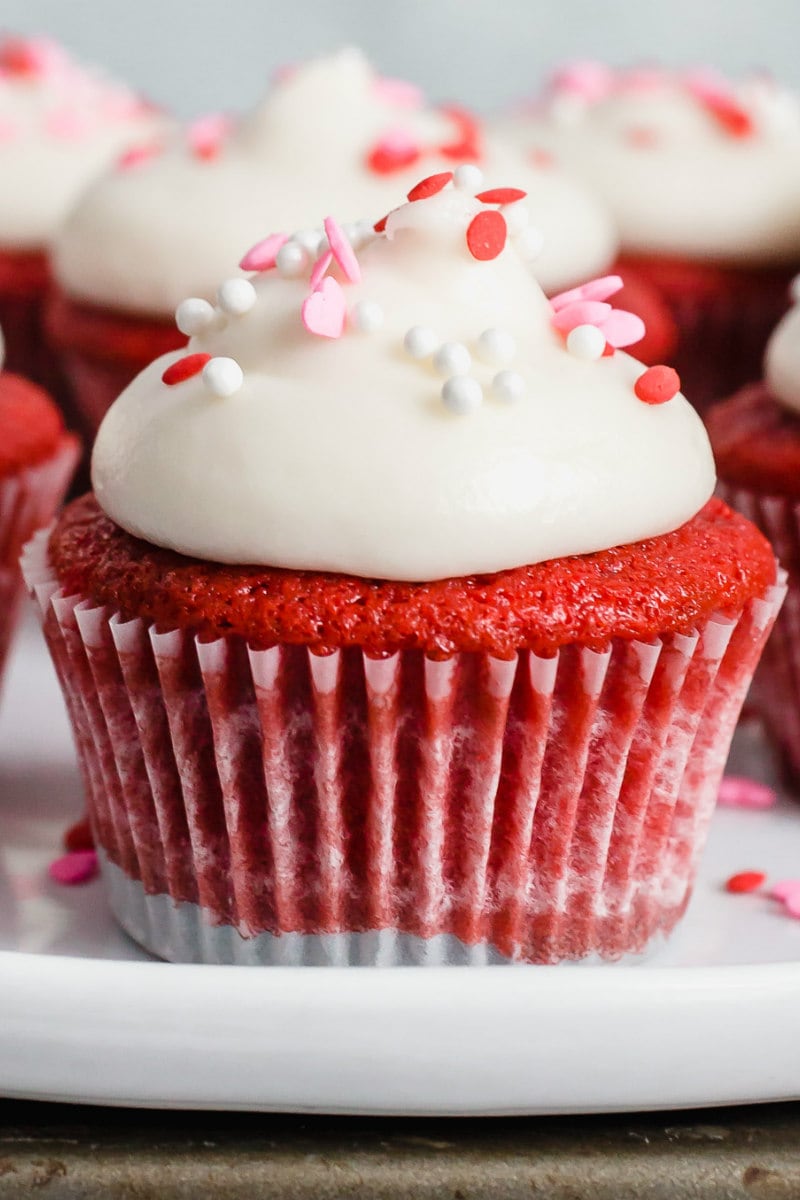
(37, 458)
(703, 179)
(400, 626)
(756, 440)
(132, 251)
(60, 126)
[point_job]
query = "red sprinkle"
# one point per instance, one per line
(73, 869)
(486, 235)
(185, 368)
(385, 160)
(609, 351)
(730, 115)
(430, 186)
(379, 226)
(657, 385)
(79, 836)
(501, 195)
(745, 881)
(466, 147)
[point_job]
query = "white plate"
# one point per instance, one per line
(711, 1018)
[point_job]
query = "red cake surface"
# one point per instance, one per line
(109, 335)
(714, 563)
(756, 442)
(30, 424)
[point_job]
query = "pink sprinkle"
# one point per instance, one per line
(324, 311)
(320, 267)
(261, 257)
(623, 328)
(581, 312)
(396, 143)
(69, 124)
(788, 892)
(342, 251)
(590, 80)
(595, 289)
(736, 791)
(206, 135)
(709, 85)
(137, 155)
(644, 79)
(31, 56)
(79, 867)
(398, 92)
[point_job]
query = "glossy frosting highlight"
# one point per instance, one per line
(782, 360)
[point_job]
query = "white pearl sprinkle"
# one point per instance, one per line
(508, 386)
(367, 316)
(352, 232)
(309, 239)
(223, 376)
(193, 316)
(586, 341)
(420, 342)
(517, 216)
(366, 232)
(468, 177)
(291, 260)
(529, 242)
(462, 394)
(236, 297)
(496, 347)
(452, 358)
(794, 289)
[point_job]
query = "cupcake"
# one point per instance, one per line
(37, 458)
(756, 440)
(61, 124)
(159, 228)
(703, 179)
(400, 626)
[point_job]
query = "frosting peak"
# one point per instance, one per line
(782, 357)
(404, 404)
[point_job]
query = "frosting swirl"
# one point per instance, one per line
(782, 360)
(417, 410)
(687, 163)
(331, 129)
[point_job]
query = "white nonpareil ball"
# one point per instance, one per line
(452, 358)
(586, 341)
(236, 297)
(291, 260)
(194, 315)
(367, 316)
(420, 342)
(496, 347)
(462, 394)
(508, 386)
(223, 376)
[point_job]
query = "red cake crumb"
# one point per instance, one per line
(714, 563)
(756, 442)
(30, 424)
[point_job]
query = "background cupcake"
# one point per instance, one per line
(61, 124)
(703, 179)
(332, 132)
(472, 697)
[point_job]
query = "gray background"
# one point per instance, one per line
(200, 56)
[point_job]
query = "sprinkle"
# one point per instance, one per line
(736, 791)
(461, 394)
(137, 155)
(223, 376)
(69, 124)
(310, 239)
(262, 256)
(324, 310)
(788, 892)
(185, 368)
(496, 347)
(291, 260)
(745, 881)
(342, 251)
(194, 315)
(508, 386)
(430, 186)
(320, 267)
(380, 225)
(452, 358)
(657, 385)
(236, 297)
(398, 92)
(624, 329)
(721, 102)
(581, 312)
(486, 235)
(543, 159)
(592, 81)
(206, 135)
(529, 242)
(30, 56)
(595, 289)
(394, 151)
(420, 342)
(78, 867)
(517, 217)
(467, 145)
(79, 836)
(367, 316)
(468, 177)
(505, 195)
(586, 342)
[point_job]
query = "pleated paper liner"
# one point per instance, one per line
(272, 805)
(28, 500)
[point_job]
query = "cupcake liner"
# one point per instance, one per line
(775, 693)
(275, 806)
(28, 500)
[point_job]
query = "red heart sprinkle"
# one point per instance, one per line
(730, 115)
(745, 881)
(486, 235)
(379, 226)
(385, 160)
(185, 368)
(465, 151)
(657, 385)
(501, 195)
(430, 186)
(79, 836)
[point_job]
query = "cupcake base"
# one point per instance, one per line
(24, 280)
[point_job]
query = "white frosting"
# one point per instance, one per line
(675, 178)
(60, 126)
(144, 238)
(341, 454)
(782, 360)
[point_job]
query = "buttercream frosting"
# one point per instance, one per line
(416, 410)
(688, 163)
(61, 125)
(329, 133)
(782, 360)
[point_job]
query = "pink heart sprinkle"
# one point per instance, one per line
(207, 132)
(581, 312)
(595, 289)
(342, 251)
(69, 124)
(622, 328)
(398, 92)
(396, 142)
(137, 155)
(590, 80)
(736, 791)
(320, 267)
(261, 257)
(788, 892)
(709, 86)
(324, 310)
(78, 867)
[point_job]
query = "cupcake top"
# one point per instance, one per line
(61, 124)
(331, 133)
(413, 411)
(688, 163)
(782, 357)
